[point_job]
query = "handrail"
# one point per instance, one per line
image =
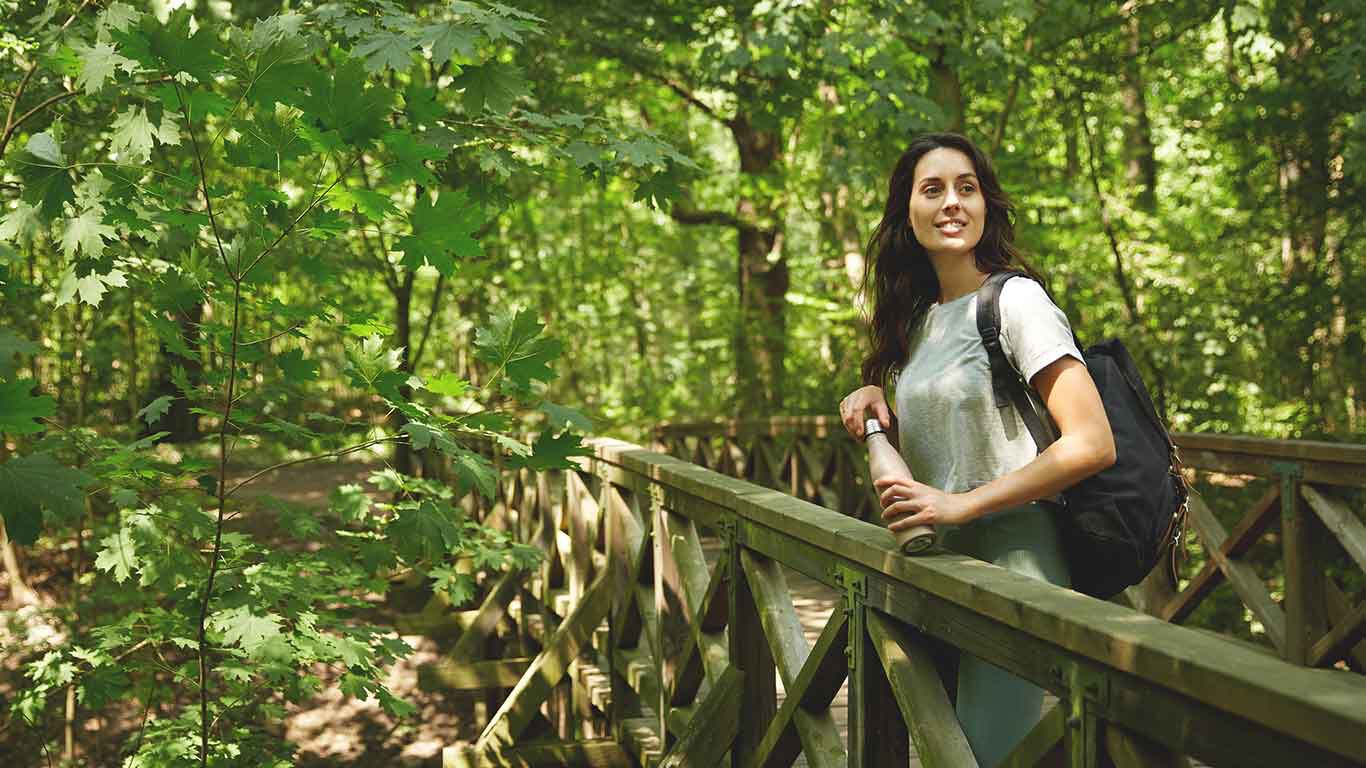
(1144, 663)
(686, 650)
(1333, 463)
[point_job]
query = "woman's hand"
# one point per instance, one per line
(857, 403)
(922, 504)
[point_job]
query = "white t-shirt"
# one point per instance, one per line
(953, 436)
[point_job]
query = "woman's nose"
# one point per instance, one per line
(951, 199)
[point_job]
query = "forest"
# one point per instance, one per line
(242, 239)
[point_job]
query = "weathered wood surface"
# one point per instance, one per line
(757, 591)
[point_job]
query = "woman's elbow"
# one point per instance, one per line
(1104, 454)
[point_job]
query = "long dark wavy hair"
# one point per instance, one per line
(897, 275)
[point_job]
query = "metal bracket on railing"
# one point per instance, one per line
(1087, 691)
(855, 586)
(1291, 473)
(656, 498)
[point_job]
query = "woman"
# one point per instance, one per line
(978, 477)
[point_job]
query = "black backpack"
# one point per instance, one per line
(1116, 524)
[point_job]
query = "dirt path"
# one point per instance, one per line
(332, 729)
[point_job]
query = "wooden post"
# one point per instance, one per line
(1302, 533)
(749, 653)
(877, 731)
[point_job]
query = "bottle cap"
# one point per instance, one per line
(872, 427)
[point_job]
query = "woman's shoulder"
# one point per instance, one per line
(1024, 293)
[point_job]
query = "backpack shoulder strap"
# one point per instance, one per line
(1007, 386)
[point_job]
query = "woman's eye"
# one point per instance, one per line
(932, 189)
(968, 189)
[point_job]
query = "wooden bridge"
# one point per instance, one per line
(699, 609)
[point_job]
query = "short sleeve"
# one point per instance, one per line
(1034, 331)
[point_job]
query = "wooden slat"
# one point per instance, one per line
(819, 736)
(751, 655)
(491, 611)
(1338, 609)
(713, 726)
(1239, 540)
(598, 753)
(708, 654)
(1304, 541)
(549, 667)
(680, 584)
(1345, 634)
(1241, 576)
(930, 718)
(466, 676)
(815, 686)
(1341, 521)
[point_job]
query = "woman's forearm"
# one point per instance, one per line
(1070, 459)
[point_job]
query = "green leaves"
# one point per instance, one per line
(33, 483)
(43, 169)
(493, 87)
(297, 370)
(98, 64)
(513, 343)
(441, 230)
(249, 631)
(424, 531)
(11, 346)
(153, 411)
(118, 554)
(86, 233)
(170, 47)
(342, 101)
(19, 408)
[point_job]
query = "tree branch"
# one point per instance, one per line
(692, 216)
(204, 186)
(330, 455)
(427, 326)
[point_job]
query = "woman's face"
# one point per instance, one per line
(947, 209)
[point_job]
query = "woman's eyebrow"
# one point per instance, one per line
(968, 175)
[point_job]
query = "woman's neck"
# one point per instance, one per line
(958, 275)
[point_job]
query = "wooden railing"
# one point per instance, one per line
(633, 649)
(1301, 523)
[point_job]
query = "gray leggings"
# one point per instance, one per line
(996, 708)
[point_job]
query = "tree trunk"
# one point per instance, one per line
(179, 421)
(946, 90)
(1140, 161)
(762, 272)
(403, 338)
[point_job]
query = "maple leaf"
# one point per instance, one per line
(91, 288)
(30, 484)
(296, 368)
(170, 47)
(372, 205)
(553, 452)
(117, 16)
(493, 86)
(20, 223)
(153, 411)
(86, 233)
(446, 384)
(98, 63)
(46, 177)
(424, 531)
(19, 408)
(440, 229)
(450, 37)
(513, 342)
(474, 471)
(132, 135)
(119, 555)
(387, 50)
(411, 155)
(339, 100)
(240, 627)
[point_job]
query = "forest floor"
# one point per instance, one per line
(329, 730)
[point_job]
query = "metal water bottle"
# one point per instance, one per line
(884, 460)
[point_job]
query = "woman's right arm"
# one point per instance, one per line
(862, 401)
